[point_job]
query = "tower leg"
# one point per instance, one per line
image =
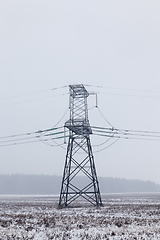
(94, 175)
(66, 175)
(79, 160)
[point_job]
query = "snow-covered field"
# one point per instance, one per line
(130, 216)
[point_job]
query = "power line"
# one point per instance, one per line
(60, 145)
(52, 134)
(33, 93)
(126, 130)
(61, 118)
(100, 144)
(129, 95)
(128, 137)
(35, 99)
(107, 146)
(125, 89)
(66, 86)
(56, 133)
(22, 138)
(30, 133)
(49, 144)
(118, 88)
(26, 142)
(104, 117)
(19, 139)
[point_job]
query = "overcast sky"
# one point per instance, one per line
(50, 44)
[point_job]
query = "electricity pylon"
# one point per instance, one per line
(79, 156)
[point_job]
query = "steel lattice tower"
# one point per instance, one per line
(79, 156)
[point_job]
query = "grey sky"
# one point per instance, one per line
(48, 44)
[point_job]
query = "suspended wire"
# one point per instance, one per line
(31, 140)
(100, 131)
(54, 133)
(120, 131)
(104, 117)
(60, 145)
(66, 86)
(97, 145)
(26, 142)
(126, 89)
(128, 137)
(125, 131)
(140, 131)
(107, 146)
(128, 95)
(52, 145)
(19, 143)
(118, 88)
(107, 128)
(19, 139)
(35, 99)
(33, 93)
(57, 144)
(49, 129)
(126, 134)
(26, 94)
(28, 138)
(138, 134)
(17, 135)
(22, 138)
(46, 143)
(50, 134)
(30, 133)
(61, 117)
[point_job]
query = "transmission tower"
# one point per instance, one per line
(79, 157)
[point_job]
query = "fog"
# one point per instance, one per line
(50, 44)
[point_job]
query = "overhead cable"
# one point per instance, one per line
(100, 144)
(57, 144)
(16, 142)
(31, 100)
(104, 117)
(129, 95)
(127, 137)
(125, 130)
(119, 88)
(107, 146)
(30, 133)
(33, 93)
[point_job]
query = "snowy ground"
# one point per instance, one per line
(121, 217)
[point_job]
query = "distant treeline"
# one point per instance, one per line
(45, 184)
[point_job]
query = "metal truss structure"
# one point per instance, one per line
(79, 157)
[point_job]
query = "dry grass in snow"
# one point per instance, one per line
(121, 217)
